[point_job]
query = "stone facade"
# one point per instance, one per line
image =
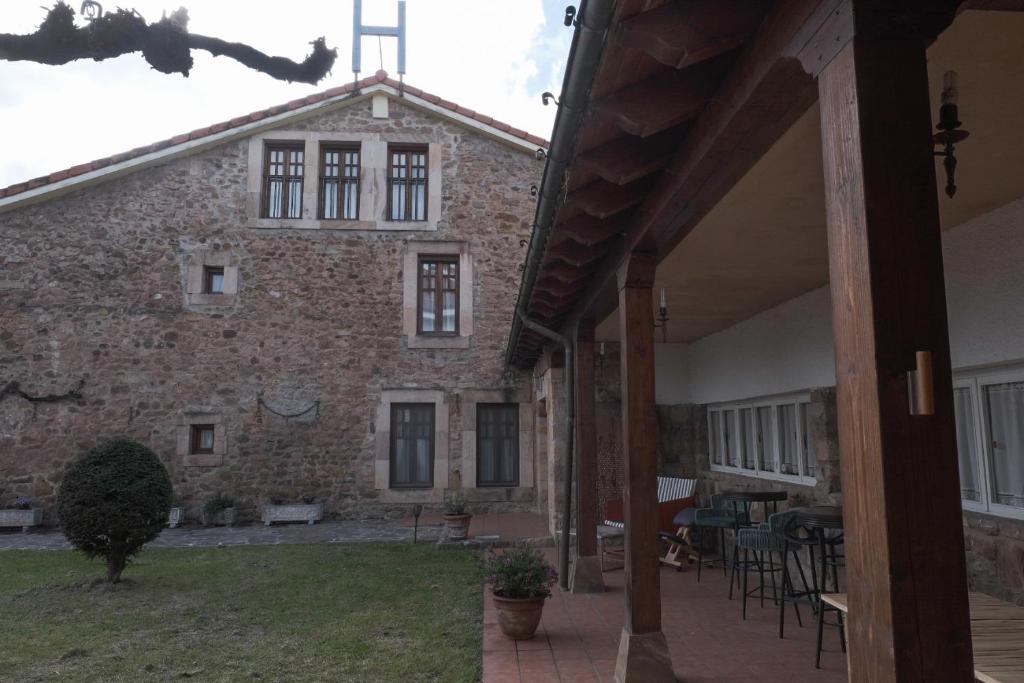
(291, 365)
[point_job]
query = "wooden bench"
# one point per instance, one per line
(997, 636)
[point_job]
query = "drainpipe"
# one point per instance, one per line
(593, 19)
(570, 415)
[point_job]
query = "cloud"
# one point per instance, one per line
(492, 56)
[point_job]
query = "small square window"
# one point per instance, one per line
(202, 439)
(213, 280)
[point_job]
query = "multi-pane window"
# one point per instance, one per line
(769, 439)
(407, 183)
(438, 293)
(213, 280)
(201, 439)
(497, 446)
(989, 411)
(412, 445)
(282, 181)
(339, 183)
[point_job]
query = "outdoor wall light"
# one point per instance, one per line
(547, 97)
(662, 319)
(950, 132)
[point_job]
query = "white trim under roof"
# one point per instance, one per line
(60, 187)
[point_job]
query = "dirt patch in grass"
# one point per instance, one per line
(361, 612)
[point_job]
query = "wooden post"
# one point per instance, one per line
(643, 652)
(906, 575)
(586, 570)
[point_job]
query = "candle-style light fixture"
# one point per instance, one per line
(950, 132)
(662, 319)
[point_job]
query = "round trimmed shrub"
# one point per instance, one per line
(114, 499)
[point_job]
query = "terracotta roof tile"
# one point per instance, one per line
(238, 121)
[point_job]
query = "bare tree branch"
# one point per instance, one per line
(165, 44)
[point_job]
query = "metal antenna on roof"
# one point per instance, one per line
(359, 30)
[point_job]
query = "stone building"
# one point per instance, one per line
(309, 301)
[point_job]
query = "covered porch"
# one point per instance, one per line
(742, 246)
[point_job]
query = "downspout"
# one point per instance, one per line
(593, 20)
(570, 413)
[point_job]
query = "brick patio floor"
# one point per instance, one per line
(579, 637)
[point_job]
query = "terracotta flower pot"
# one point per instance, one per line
(519, 617)
(457, 526)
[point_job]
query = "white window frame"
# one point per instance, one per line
(983, 441)
(772, 443)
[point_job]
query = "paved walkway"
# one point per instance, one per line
(579, 638)
(494, 527)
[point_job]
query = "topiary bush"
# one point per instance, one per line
(114, 499)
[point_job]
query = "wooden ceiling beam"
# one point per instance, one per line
(573, 253)
(589, 231)
(664, 101)
(627, 158)
(684, 33)
(768, 88)
(602, 199)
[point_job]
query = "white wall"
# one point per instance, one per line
(789, 348)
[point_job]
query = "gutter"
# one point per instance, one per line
(594, 18)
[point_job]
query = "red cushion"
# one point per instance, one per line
(666, 511)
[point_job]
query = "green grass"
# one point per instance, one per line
(360, 612)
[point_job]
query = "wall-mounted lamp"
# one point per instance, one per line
(950, 132)
(570, 16)
(662, 319)
(547, 98)
(533, 190)
(541, 153)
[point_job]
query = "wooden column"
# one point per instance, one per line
(643, 652)
(906, 574)
(586, 570)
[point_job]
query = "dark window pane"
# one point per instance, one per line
(412, 445)
(497, 444)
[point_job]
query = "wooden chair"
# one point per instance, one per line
(674, 496)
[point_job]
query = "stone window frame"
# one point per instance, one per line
(382, 446)
(373, 184)
(469, 400)
(413, 252)
(196, 263)
(184, 438)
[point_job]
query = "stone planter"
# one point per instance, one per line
(519, 617)
(22, 518)
(457, 526)
(225, 517)
(175, 517)
(293, 512)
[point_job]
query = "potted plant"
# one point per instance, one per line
(277, 510)
(176, 515)
(219, 511)
(22, 512)
(520, 580)
(456, 519)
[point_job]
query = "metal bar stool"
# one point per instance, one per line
(766, 541)
(824, 525)
(742, 502)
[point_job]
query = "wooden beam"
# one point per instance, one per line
(643, 651)
(770, 86)
(573, 253)
(586, 571)
(588, 230)
(904, 546)
(659, 103)
(680, 34)
(603, 200)
(628, 158)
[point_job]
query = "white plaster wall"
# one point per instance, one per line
(789, 348)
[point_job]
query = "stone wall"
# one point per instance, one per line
(95, 290)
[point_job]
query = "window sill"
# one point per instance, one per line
(341, 225)
(203, 460)
(768, 476)
(438, 342)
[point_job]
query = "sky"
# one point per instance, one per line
(494, 56)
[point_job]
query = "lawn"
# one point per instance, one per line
(359, 612)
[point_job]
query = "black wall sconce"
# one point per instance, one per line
(950, 132)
